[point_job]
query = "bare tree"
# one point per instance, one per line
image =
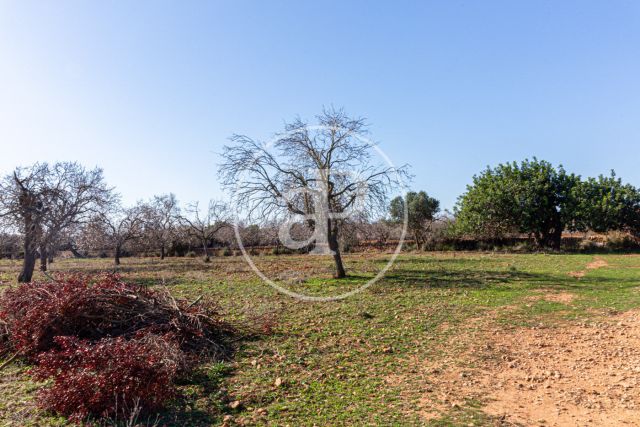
(9, 244)
(269, 234)
(203, 226)
(251, 235)
(162, 215)
(381, 232)
(73, 240)
(21, 201)
(43, 200)
(116, 228)
(316, 174)
(73, 195)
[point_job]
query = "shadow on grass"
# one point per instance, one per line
(203, 400)
(482, 279)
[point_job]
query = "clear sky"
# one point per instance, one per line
(151, 90)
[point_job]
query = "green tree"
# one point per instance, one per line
(421, 210)
(532, 197)
(606, 204)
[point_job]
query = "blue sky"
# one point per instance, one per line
(151, 90)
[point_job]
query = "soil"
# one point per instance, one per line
(561, 297)
(594, 265)
(571, 375)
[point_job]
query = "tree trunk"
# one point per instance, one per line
(551, 237)
(28, 265)
(556, 236)
(539, 239)
(418, 238)
(116, 258)
(74, 251)
(206, 253)
(335, 248)
(31, 208)
(43, 258)
(29, 261)
(162, 253)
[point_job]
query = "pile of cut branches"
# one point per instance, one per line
(101, 339)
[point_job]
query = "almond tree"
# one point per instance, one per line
(332, 160)
(43, 200)
(204, 225)
(116, 228)
(21, 204)
(9, 243)
(162, 216)
(74, 195)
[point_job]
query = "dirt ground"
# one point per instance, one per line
(596, 264)
(580, 375)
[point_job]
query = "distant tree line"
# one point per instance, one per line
(45, 209)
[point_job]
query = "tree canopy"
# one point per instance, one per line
(421, 212)
(606, 204)
(538, 199)
(43, 200)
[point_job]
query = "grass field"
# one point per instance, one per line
(374, 358)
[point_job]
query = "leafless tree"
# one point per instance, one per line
(269, 233)
(9, 244)
(162, 216)
(73, 239)
(333, 160)
(227, 237)
(204, 225)
(43, 200)
(117, 227)
(381, 232)
(21, 204)
(74, 195)
(251, 235)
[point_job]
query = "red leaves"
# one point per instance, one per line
(38, 312)
(110, 348)
(93, 308)
(108, 378)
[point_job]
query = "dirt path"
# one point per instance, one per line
(580, 375)
(593, 265)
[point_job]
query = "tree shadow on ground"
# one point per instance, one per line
(203, 400)
(482, 279)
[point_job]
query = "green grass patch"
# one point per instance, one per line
(352, 361)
